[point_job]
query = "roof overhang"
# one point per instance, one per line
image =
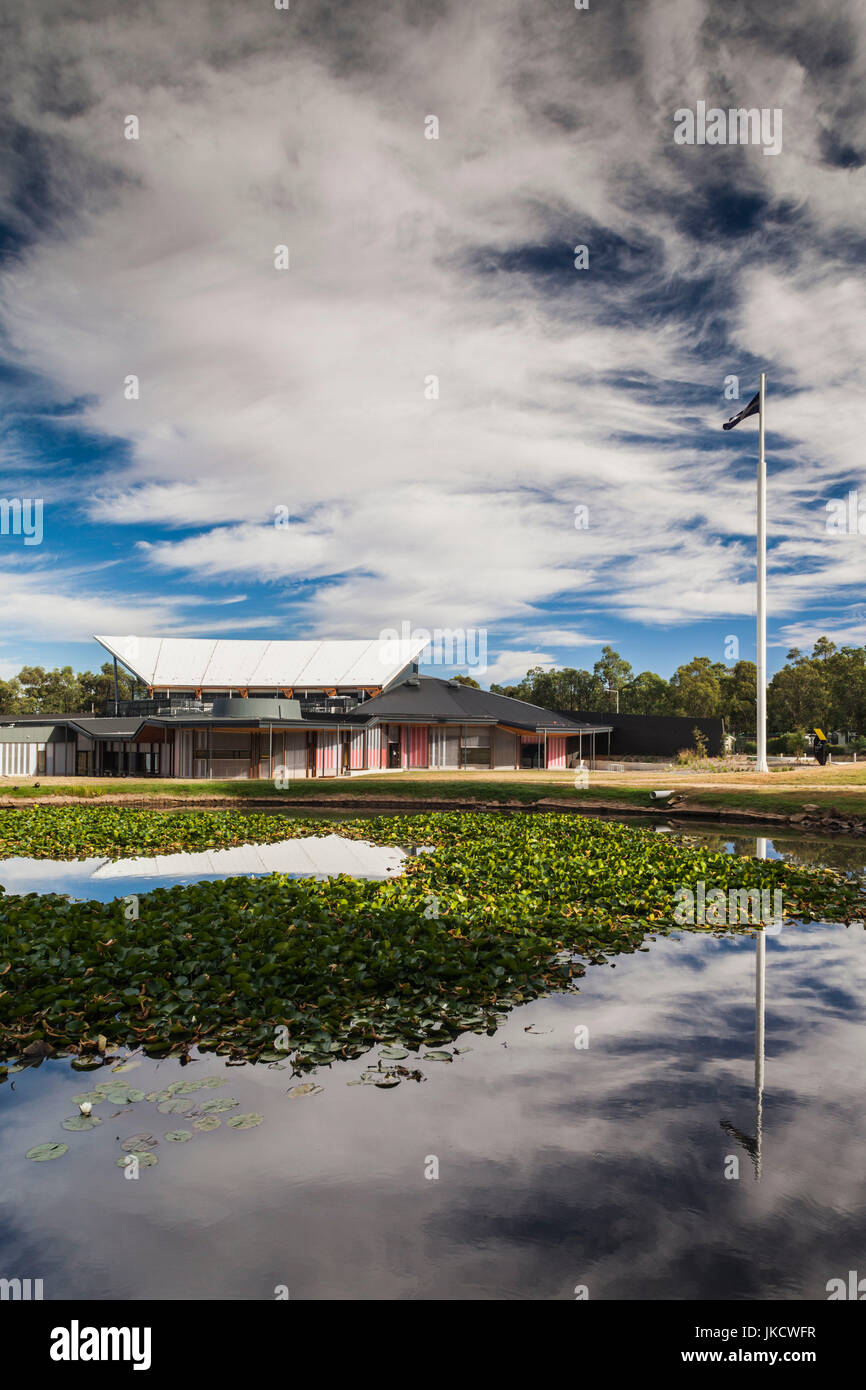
(217, 663)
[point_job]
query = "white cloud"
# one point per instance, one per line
(305, 388)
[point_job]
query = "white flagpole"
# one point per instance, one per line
(761, 759)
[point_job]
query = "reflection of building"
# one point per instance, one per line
(227, 709)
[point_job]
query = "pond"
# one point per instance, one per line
(627, 1138)
(100, 878)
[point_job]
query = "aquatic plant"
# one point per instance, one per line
(522, 905)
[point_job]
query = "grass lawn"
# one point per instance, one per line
(783, 791)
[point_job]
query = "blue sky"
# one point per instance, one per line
(306, 392)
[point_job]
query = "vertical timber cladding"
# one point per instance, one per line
(18, 759)
(374, 746)
(356, 749)
(418, 745)
(444, 746)
(556, 751)
(506, 749)
(327, 752)
(290, 752)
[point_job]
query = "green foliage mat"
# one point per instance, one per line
(502, 909)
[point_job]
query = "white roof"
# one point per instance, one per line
(223, 663)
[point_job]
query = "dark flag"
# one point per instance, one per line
(753, 408)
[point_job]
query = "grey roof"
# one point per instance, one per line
(26, 733)
(106, 726)
(427, 698)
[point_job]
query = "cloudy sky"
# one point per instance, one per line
(308, 395)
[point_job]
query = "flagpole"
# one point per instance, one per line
(761, 741)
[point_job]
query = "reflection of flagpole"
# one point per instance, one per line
(760, 965)
(761, 745)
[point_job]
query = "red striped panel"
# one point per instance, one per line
(418, 745)
(356, 753)
(556, 754)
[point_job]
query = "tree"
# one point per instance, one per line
(739, 697)
(466, 680)
(647, 694)
(798, 698)
(697, 687)
(612, 670)
(10, 695)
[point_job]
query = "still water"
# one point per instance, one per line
(558, 1167)
(103, 879)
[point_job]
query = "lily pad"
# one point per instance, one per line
(178, 1136)
(138, 1143)
(126, 1066)
(207, 1122)
(394, 1054)
(218, 1106)
(86, 1064)
(145, 1159)
(309, 1088)
(89, 1098)
(81, 1122)
(246, 1121)
(43, 1152)
(174, 1107)
(437, 1057)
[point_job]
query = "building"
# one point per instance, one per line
(219, 709)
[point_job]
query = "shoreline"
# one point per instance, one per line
(828, 820)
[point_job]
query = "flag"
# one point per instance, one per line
(753, 408)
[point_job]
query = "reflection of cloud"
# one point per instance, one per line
(557, 1166)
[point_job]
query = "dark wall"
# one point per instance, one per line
(658, 735)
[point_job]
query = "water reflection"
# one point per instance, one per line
(604, 1166)
(104, 879)
(557, 1166)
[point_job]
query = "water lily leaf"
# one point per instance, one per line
(394, 1054)
(136, 1095)
(81, 1122)
(175, 1107)
(437, 1057)
(215, 1081)
(385, 1083)
(126, 1066)
(145, 1159)
(137, 1143)
(178, 1136)
(216, 1107)
(207, 1122)
(308, 1089)
(246, 1121)
(86, 1064)
(88, 1098)
(43, 1152)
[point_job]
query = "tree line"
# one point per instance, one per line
(37, 691)
(826, 688)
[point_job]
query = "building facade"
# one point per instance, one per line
(256, 710)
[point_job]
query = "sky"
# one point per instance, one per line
(399, 426)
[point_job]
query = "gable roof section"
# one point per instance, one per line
(432, 699)
(223, 663)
